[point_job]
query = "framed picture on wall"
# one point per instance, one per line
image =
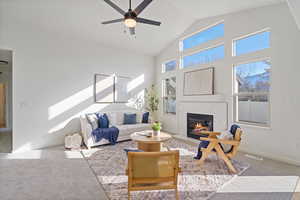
(199, 82)
(103, 88)
(111, 89)
(121, 92)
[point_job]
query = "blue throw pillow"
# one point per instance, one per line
(145, 118)
(129, 118)
(103, 121)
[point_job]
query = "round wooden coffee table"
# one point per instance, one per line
(152, 143)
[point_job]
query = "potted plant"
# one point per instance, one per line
(156, 127)
(152, 101)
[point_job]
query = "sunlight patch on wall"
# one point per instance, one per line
(72, 101)
(23, 148)
(92, 108)
(135, 83)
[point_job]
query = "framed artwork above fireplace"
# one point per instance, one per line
(199, 82)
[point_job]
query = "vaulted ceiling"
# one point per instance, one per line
(82, 19)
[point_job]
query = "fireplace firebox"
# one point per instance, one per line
(197, 123)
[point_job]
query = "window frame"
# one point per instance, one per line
(235, 95)
(198, 51)
(167, 96)
(196, 32)
(233, 48)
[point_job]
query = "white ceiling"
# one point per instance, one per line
(82, 19)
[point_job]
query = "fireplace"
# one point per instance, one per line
(198, 123)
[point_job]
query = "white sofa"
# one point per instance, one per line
(115, 119)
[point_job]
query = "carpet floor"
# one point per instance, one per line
(108, 163)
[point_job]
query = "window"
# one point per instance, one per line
(203, 36)
(169, 66)
(203, 57)
(251, 91)
(169, 95)
(251, 43)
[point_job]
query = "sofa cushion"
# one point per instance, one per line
(145, 118)
(103, 121)
(112, 117)
(92, 120)
(129, 118)
(128, 129)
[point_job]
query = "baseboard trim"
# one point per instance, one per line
(272, 157)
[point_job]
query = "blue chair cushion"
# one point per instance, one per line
(103, 121)
(145, 118)
(233, 129)
(129, 118)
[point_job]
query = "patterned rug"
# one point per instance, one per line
(195, 182)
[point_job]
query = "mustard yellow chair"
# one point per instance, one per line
(152, 171)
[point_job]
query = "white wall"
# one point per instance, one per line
(282, 140)
(295, 9)
(53, 78)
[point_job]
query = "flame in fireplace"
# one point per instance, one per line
(200, 127)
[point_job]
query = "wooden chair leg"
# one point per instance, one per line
(206, 152)
(225, 158)
(176, 193)
(129, 197)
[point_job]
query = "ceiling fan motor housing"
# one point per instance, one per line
(130, 15)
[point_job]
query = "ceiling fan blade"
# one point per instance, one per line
(113, 21)
(132, 31)
(114, 6)
(148, 21)
(142, 6)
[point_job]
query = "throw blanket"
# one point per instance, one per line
(111, 134)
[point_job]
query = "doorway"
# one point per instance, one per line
(6, 130)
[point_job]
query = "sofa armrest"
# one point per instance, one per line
(86, 131)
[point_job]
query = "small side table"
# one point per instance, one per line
(150, 144)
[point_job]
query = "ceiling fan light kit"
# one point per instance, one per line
(130, 18)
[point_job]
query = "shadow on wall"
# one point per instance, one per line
(64, 116)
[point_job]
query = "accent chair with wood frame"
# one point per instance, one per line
(153, 171)
(215, 146)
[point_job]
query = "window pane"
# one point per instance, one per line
(170, 87)
(253, 109)
(204, 36)
(204, 57)
(253, 77)
(252, 43)
(170, 105)
(169, 95)
(169, 66)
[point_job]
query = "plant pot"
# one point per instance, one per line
(156, 133)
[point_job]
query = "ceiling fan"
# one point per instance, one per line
(131, 18)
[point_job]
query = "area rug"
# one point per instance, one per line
(195, 182)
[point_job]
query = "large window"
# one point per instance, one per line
(169, 66)
(251, 43)
(169, 95)
(211, 33)
(251, 92)
(203, 57)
